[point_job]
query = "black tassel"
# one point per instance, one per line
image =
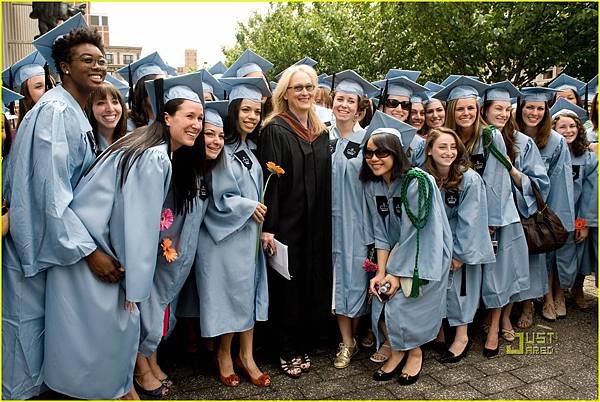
(383, 98)
(11, 79)
(47, 79)
(130, 100)
(587, 110)
(463, 280)
(332, 83)
(160, 103)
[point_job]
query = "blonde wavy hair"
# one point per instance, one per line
(280, 104)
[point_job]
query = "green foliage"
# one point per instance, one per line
(495, 41)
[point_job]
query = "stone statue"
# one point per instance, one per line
(49, 13)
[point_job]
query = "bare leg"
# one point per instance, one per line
(413, 362)
(460, 340)
(491, 342)
(577, 291)
(131, 395)
(246, 355)
(548, 308)
(143, 374)
(345, 325)
(156, 370)
(526, 319)
(224, 355)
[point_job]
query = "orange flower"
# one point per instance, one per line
(273, 168)
(580, 223)
(169, 252)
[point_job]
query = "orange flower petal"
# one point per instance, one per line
(170, 254)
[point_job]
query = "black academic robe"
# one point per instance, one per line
(299, 215)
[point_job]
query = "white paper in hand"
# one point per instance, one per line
(279, 261)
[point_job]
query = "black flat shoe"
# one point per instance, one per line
(405, 379)
(381, 375)
(449, 357)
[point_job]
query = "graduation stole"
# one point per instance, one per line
(419, 220)
(490, 147)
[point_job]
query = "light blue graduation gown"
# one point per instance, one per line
(349, 227)
(91, 340)
(466, 209)
(529, 162)
(169, 278)
(231, 278)
(130, 125)
(410, 322)
(417, 151)
(510, 273)
(52, 150)
(585, 193)
(557, 159)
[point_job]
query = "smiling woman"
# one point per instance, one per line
(107, 113)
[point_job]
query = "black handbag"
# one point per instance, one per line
(543, 230)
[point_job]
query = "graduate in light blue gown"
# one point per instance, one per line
(53, 148)
(465, 202)
(567, 121)
(533, 119)
(27, 76)
(435, 109)
(415, 255)
(527, 168)
(107, 113)
(504, 277)
(147, 68)
(230, 266)
(350, 243)
(93, 327)
(398, 88)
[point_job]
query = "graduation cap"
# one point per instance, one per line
(564, 81)
(410, 74)
(44, 43)
(218, 68)
(305, 60)
(248, 62)
(452, 77)
(501, 91)
(400, 86)
(383, 123)
(253, 88)
(215, 112)
(563, 107)
(590, 89)
(150, 64)
(433, 87)
(272, 85)
(461, 88)
(322, 82)
(121, 86)
(349, 82)
(31, 65)
(162, 90)
(9, 97)
(211, 84)
(538, 94)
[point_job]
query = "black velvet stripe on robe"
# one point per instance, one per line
(299, 215)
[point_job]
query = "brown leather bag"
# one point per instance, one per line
(543, 230)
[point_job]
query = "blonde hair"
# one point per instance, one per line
(478, 125)
(280, 104)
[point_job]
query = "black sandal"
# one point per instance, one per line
(159, 393)
(291, 368)
(305, 363)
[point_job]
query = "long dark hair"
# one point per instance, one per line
(138, 112)
(458, 167)
(390, 143)
(102, 92)
(543, 129)
(231, 126)
(6, 144)
(580, 143)
(508, 131)
(577, 97)
(187, 162)
(594, 113)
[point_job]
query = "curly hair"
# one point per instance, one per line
(458, 167)
(61, 49)
(580, 143)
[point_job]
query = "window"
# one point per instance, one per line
(105, 20)
(94, 20)
(127, 58)
(109, 58)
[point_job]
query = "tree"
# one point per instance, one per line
(495, 41)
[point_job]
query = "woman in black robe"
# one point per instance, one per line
(299, 216)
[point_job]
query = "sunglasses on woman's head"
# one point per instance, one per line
(379, 153)
(393, 103)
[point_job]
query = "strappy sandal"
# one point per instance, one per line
(526, 319)
(548, 312)
(508, 334)
(368, 340)
(379, 357)
(291, 368)
(305, 363)
(157, 393)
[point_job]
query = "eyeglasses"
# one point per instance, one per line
(379, 153)
(299, 88)
(89, 60)
(393, 103)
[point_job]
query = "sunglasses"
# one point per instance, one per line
(393, 103)
(299, 88)
(379, 153)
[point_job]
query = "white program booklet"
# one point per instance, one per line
(279, 261)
